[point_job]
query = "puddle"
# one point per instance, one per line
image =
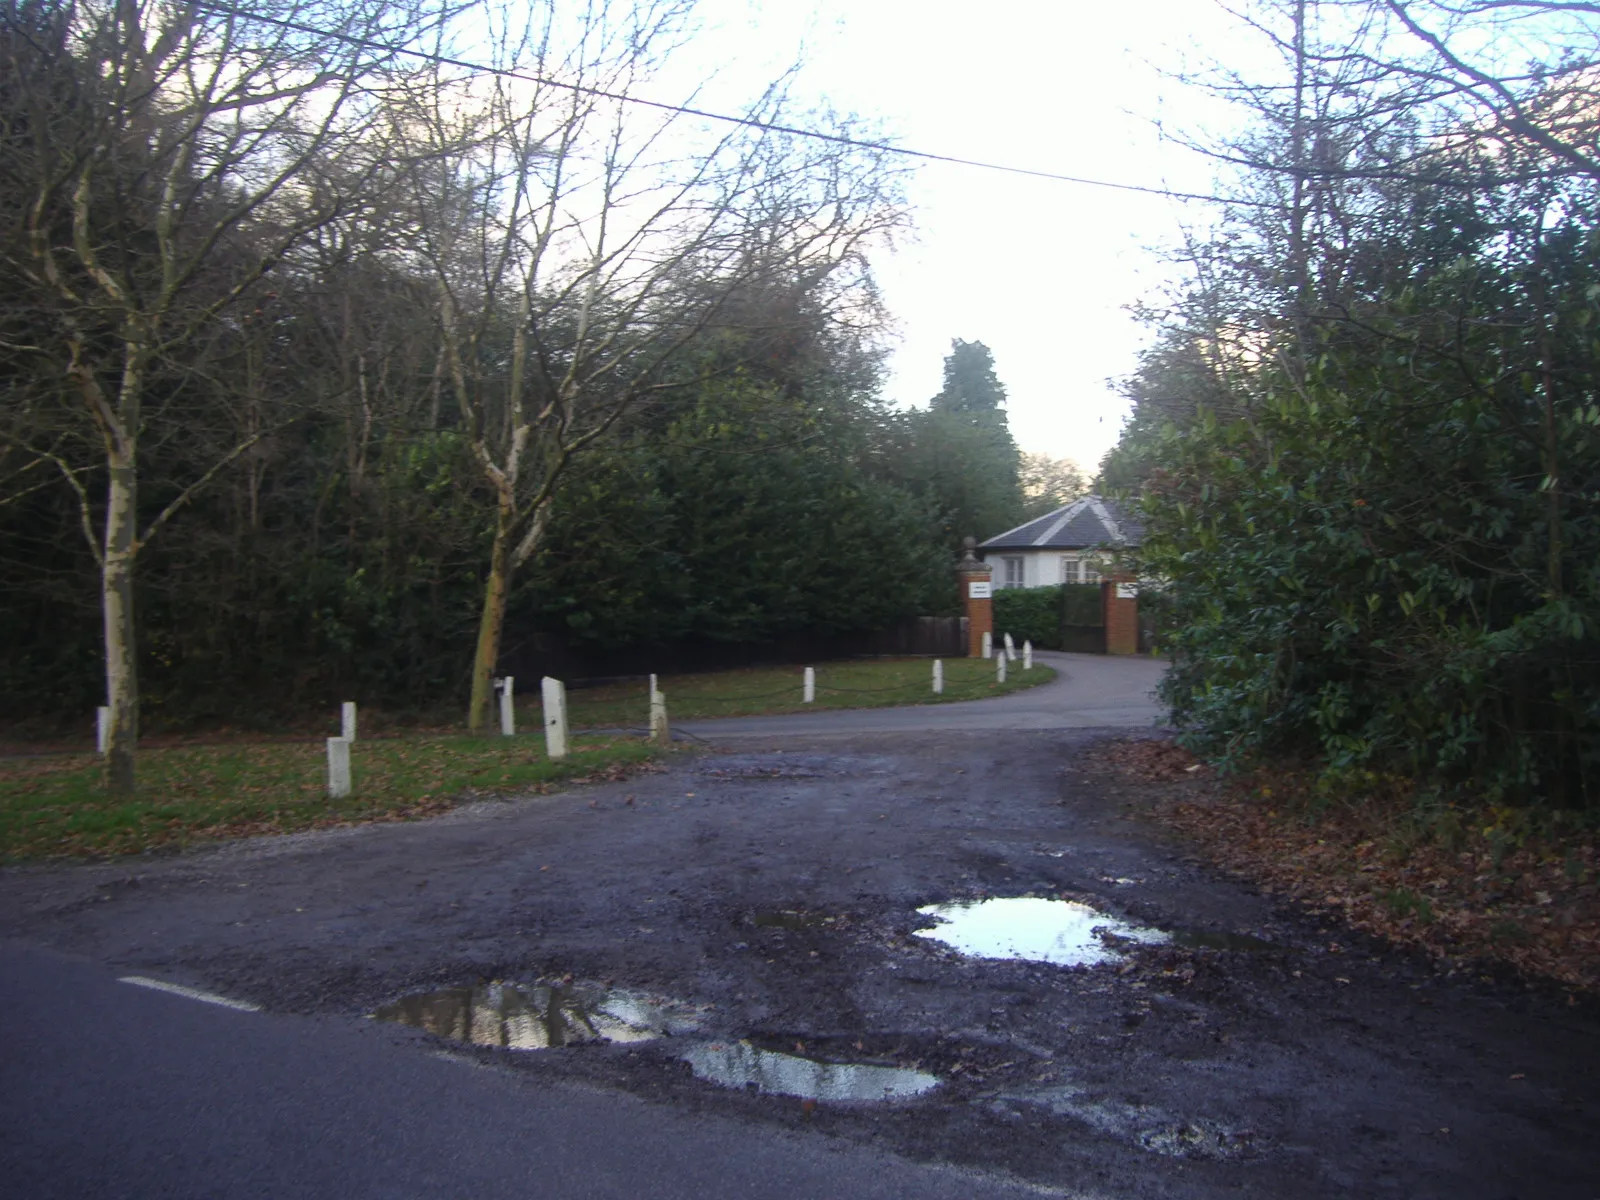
(741, 1065)
(1209, 939)
(789, 918)
(539, 1017)
(1033, 928)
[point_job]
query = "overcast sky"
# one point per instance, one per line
(1041, 272)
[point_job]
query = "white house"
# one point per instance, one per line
(1070, 545)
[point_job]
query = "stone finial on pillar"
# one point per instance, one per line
(974, 576)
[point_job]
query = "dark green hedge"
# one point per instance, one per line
(1037, 614)
(1029, 614)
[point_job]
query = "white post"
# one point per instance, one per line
(999, 668)
(938, 677)
(554, 695)
(988, 644)
(1027, 656)
(102, 728)
(811, 685)
(338, 767)
(347, 720)
(508, 710)
(1011, 648)
(659, 729)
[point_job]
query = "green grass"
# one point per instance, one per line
(55, 806)
(871, 683)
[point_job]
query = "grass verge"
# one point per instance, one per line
(754, 691)
(55, 807)
(1468, 884)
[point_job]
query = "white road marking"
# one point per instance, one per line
(177, 989)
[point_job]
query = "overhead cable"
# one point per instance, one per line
(838, 139)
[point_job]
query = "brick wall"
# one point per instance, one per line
(1122, 617)
(980, 612)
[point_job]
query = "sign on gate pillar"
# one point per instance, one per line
(976, 598)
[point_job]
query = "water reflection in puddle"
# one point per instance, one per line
(538, 1017)
(1033, 928)
(741, 1065)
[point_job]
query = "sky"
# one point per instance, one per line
(1041, 272)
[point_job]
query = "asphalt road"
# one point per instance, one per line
(114, 1090)
(777, 886)
(1090, 691)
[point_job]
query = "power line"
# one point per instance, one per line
(838, 139)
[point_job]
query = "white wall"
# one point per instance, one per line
(1040, 568)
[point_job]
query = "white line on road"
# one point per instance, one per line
(177, 989)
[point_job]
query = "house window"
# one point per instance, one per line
(1013, 571)
(1080, 570)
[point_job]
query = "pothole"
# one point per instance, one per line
(741, 1065)
(1210, 939)
(789, 918)
(1147, 1127)
(538, 1017)
(1037, 929)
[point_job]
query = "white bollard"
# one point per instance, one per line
(988, 644)
(508, 707)
(338, 767)
(347, 720)
(102, 728)
(999, 668)
(811, 685)
(660, 731)
(554, 695)
(938, 677)
(1011, 649)
(1027, 656)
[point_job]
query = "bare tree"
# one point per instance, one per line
(165, 156)
(580, 244)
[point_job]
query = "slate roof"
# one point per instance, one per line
(1087, 522)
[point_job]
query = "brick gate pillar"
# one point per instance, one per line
(1119, 601)
(975, 598)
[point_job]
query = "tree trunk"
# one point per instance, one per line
(496, 590)
(116, 598)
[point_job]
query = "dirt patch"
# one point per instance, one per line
(1478, 889)
(776, 890)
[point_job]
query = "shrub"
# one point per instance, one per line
(1030, 614)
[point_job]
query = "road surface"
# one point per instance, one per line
(1090, 691)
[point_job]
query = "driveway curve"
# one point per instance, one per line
(1089, 691)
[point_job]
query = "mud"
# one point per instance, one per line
(776, 892)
